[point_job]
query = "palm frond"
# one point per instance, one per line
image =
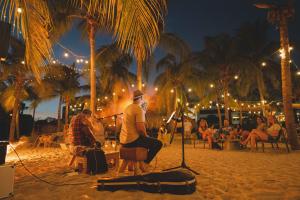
(32, 18)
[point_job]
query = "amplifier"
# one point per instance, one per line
(7, 173)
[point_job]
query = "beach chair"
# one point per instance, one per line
(195, 139)
(282, 137)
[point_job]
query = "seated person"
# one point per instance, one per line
(133, 131)
(79, 131)
(187, 128)
(205, 132)
(226, 130)
(263, 133)
(260, 125)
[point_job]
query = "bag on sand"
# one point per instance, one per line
(215, 145)
(175, 182)
(96, 162)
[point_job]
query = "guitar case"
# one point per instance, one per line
(175, 182)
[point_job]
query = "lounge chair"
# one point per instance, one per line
(280, 138)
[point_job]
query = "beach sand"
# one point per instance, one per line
(222, 175)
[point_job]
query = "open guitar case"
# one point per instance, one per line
(175, 182)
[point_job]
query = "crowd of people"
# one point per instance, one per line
(85, 131)
(267, 129)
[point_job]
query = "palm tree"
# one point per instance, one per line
(279, 15)
(134, 24)
(221, 63)
(32, 19)
(114, 67)
(258, 66)
(38, 93)
(175, 82)
(14, 75)
(65, 81)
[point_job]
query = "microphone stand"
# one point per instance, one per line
(115, 116)
(183, 163)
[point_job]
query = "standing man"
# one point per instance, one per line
(133, 132)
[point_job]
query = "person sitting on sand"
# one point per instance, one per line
(205, 132)
(133, 131)
(79, 131)
(262, 133)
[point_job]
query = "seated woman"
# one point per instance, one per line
(205, 132)
(237, 132)
(263, 133)
(260, 125)
(226, 130)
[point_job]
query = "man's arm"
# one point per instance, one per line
(141, 129)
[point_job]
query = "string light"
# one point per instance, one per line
(66, 55)
(189, 90)
(114, 94)
(105, 97)
(263, 64)
(143, 85)
(211, 86)
(19, 10)
(156, 89)
(172, 91)
(86, 62)
(123, 90)
(236, 77)
(132, 85)
(298, 73)
(23, 62)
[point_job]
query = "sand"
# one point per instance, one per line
(223, 175)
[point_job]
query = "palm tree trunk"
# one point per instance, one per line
(219, 116)
(241, 115)
(92, 65)
(287, 83)
(18, 125)
(226, 103)
(139, 74)
(59, 114)
(13, 121)
(67, 100)
(175, 99)
(33, 122)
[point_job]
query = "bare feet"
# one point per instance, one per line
(145, 167)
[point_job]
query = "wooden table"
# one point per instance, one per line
(233, 144)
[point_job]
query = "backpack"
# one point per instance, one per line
(96, 161)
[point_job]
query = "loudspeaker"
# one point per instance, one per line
(7, 173)
(4, 38)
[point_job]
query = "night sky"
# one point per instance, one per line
(192, 20)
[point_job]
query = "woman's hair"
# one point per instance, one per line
(203, 120)
(263, 120)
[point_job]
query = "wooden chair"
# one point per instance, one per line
(280, 138)
(135, 156)
(194, 137)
